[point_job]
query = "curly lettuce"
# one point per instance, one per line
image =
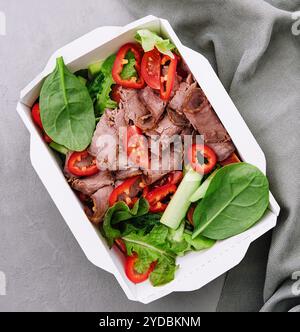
(149, 40)
(100, 87)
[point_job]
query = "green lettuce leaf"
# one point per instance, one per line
(153, 247)
(121, 212)
(100, 87)
(149, 40)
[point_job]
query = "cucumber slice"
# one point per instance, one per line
(200, 192)
(180, 203)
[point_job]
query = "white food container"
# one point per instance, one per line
(197, 268)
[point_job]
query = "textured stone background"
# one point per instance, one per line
(44, 266)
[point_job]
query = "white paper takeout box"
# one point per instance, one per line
(197, 268)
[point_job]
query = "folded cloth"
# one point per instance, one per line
(254, 46)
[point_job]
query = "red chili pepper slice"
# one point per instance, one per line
(230, 160)
(121, 245)
(167, 81)
(36, 116)
(35, 112)
(137, 148)
(47, 139)
(86, 170)
(115, 93)
(175, 177)
(124, 190)
(132, 274)
(151, 68)
(157, 195)
(208, 158)
(190, 214)
(133, 82)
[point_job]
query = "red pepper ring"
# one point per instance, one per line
(86, 170)
(157, 195)
(167, 81)
(123, 189)
(208, 156)
(35, 113)
(120, 61)
(132, 274)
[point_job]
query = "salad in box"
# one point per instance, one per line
(141, 145)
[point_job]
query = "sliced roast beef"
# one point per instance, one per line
(178, 80)
(100, 204)
(164, 133)
(91, 184)
(105, 140)
(104, 127)
(127, 173)
(133, 107)
(178, 119)
(177, 101)
(153, 102)
(143, 108)
(166, 163)
(201, 115)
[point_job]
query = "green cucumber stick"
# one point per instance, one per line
(200, 192)
(180, 203)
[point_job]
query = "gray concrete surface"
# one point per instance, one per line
(44, 267)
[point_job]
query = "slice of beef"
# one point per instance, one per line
(177, 101)
(167, 128)
(203, 118)
(100, 204)
(166, 164)
(104, 127)
(144, 108)
(105, 140)
(190, 79)
(152, 102)
(91, 184)
(165, 132)
(132, 105)
(177, 118)
(127, 173)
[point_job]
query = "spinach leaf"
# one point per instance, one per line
(67, 110)
(153, 247)
(235, 200)
(121, 212)
(100, 87)
(198, 243)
